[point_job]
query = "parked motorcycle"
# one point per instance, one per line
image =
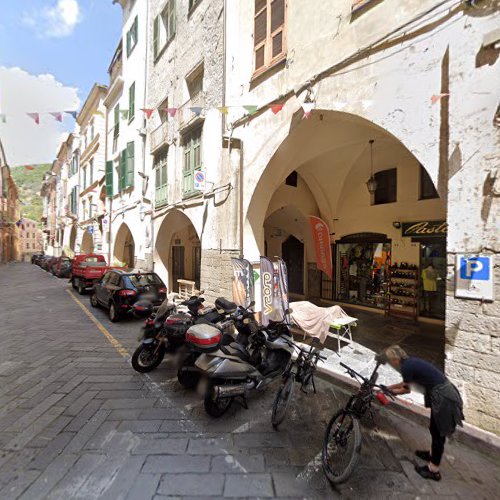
(165, 328)
(232, 370)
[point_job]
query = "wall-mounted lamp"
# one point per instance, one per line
(371, 184)
(397, 225)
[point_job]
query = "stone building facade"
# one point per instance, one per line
(30, 238)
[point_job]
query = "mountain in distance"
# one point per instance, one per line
(29, 183)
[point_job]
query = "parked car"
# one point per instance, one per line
(46, 262)
(119, 290)
(87, 270)
(35, 258)
(62, 267)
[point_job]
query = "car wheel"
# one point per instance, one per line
(93, 300)
(81, 288)
(113, 313)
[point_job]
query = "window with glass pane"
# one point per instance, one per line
(427, 189)
(192, 158)
(131, 102)
(160, 166)
(386, 191)
(164, 28)
(132, 36)
(269, 33)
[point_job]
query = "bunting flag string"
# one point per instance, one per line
(35, 116)
(72, 113)
(124, 114)
(57, 115)
(437, 97)
(148, 112)
(307, 107)
(197, 110)
(251, 109)
(276, 108)
(29, 167)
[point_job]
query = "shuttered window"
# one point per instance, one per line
(164, 28)
(132, 36)
(131, 102)
(109, 178)
(160, 167)
(129, 172)
(192, 159)
(269, 33)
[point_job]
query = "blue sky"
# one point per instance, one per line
(77, 55)
(51, 53)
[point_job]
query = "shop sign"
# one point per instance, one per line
(474, 276)
(425, 228)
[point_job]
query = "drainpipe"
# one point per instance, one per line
(240, 192)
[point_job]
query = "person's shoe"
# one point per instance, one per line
(423, 455)
(428, 474)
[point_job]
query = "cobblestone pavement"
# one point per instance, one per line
(77, 422)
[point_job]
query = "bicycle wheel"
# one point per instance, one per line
(282, 400)
(341, 447)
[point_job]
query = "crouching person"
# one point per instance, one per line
(441, 396)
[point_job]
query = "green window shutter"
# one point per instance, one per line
(109, 178)
(156, 36)
(122, 170)
(131, 102)
(129, 44)
(129, 173)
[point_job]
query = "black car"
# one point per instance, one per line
(35, 258)
(118, 291)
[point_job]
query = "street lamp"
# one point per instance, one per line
(371, 184)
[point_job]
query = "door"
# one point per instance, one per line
(100, 289)
(433, 279)
(177, 266)
(292, 251)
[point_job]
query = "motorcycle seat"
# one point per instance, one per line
(237, 350)
(193, 301)
(226, 305)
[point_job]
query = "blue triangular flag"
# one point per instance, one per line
(72, 113)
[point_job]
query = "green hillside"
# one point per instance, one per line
(29, 183)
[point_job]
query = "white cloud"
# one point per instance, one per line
(21, 93)
(56, 21)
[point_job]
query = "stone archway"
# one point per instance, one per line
(178, 249)
(72, 239)
(124, 251)
(87, 245)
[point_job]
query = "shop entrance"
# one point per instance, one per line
(362, 264)
(292, 250)
(432, 300)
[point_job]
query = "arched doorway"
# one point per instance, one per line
(72, 239)
(322, 169)
(178, 247)
(125, 247)
(292, 251)
(87, 243)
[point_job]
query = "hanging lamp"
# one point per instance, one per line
(371, 183)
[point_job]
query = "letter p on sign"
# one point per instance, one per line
(475, 268)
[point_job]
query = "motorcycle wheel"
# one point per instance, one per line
(147, 358)
(187, 378)
(218, 406)
(282, 400)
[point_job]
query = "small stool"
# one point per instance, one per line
(342, 327)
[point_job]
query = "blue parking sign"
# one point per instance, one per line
(475, 268)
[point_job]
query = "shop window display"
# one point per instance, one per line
(362, 272)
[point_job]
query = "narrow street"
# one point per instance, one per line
(77, 422)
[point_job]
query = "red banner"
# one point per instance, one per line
(321, 237)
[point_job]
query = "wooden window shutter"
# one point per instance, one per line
(131, 102)
(260, 33)
(109, 178)
(129, 174)
(121, 170)
(171, 19)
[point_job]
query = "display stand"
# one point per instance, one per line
(402, 292)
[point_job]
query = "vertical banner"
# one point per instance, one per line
(243, 282)
(267, 289)
(282, 286)
(321, 238)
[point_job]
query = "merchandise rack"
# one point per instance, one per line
(403, 291)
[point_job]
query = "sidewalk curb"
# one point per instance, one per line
(468, 435)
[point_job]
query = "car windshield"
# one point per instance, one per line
(91, 259)
(139, 280)
(65, 260)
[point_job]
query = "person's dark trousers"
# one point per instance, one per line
(438, 441)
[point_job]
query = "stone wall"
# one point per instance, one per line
(217, 273)
(473, 353)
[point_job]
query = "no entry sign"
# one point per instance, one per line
(200, 180)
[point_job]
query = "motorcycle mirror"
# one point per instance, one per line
(251, 304)
(201, 292)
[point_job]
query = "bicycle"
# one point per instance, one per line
(342, 441)
(300, 370)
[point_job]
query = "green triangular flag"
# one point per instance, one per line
(124, 114)
(251, 109)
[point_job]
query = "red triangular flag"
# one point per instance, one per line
(57, 116)
(35, 116)
(171, 111)
(29, 167)
(148, 112)
(307, 107)
(276, 108)
(437, 97)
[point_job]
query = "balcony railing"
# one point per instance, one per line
(161, 136)
(186, 115)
